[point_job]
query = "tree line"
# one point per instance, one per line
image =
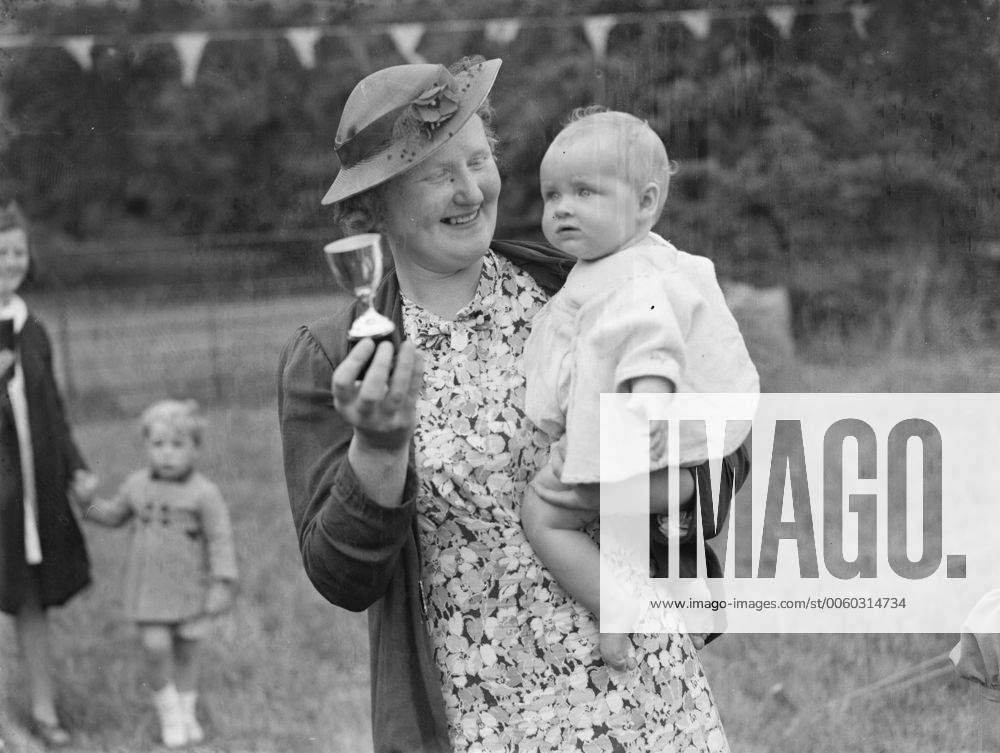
(826, 161)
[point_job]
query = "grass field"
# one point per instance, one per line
(288, 672)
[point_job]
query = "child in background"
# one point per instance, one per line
(635, 315)
(181, 568)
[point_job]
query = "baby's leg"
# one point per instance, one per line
(186, 662)
(554, 517)
(158, 647)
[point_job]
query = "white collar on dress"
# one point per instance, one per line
(17, 310)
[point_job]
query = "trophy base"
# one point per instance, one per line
(390, 337)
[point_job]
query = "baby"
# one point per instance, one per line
(181, 567)
(635, 315)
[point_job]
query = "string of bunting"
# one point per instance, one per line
(406, 37)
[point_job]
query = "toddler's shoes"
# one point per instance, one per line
(173, 724)
(189, 705)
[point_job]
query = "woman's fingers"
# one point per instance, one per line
(375, 383)
(346, 374)
(384, 399)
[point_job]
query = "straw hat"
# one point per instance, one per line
(399, 116)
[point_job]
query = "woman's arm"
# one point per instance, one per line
(352, 490)
(218, 532)
(61, 429)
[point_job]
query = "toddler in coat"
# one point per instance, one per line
(181, 567)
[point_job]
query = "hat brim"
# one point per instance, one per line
(379, 168)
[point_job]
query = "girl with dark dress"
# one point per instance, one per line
(43, 560)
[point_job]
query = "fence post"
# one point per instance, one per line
(65, 355)
(213, 350)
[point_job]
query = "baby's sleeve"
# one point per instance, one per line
(218, 532)
(643, 326)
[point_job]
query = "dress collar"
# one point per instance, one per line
(17, 310)
(179, 480)
(432, 330)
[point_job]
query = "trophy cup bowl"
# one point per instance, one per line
(356, 264)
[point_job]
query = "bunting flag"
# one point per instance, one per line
(782, 16)
(698, 22)
(860, 15)
(80, 48)
(597, 29)
(502, 30)
(303, 41)
(189, 47)
(407, 37)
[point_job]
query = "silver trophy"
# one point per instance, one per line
(356, 263)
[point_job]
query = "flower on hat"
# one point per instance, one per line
(434, 107)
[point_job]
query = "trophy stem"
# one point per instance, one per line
(371, 324)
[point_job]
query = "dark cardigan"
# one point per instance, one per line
(358, 554)
(65, 568)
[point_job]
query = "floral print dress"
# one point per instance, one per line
(519, 659)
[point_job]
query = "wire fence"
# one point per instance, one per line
(207, 317)
(114, 358)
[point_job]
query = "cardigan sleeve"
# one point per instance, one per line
(350, 544)
(218, 532)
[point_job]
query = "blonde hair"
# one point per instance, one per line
(643, 154)
(183, 415)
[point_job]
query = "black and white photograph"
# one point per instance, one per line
(499, 376)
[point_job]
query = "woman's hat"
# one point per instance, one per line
(399, 116)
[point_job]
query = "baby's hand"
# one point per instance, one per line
(657, 440)
(84, 486)
(219, 598)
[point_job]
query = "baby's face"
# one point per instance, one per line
(591, 207)
(171, 451)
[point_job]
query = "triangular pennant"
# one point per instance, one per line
(860, 15)
(303, 41)
(782, 16)
(597, 29)
(189, 46)
(698, 22)
(502, 30)
(406, 37)
(80, 48)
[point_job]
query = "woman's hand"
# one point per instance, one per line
(381, 408)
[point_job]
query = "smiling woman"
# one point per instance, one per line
(405, 486)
